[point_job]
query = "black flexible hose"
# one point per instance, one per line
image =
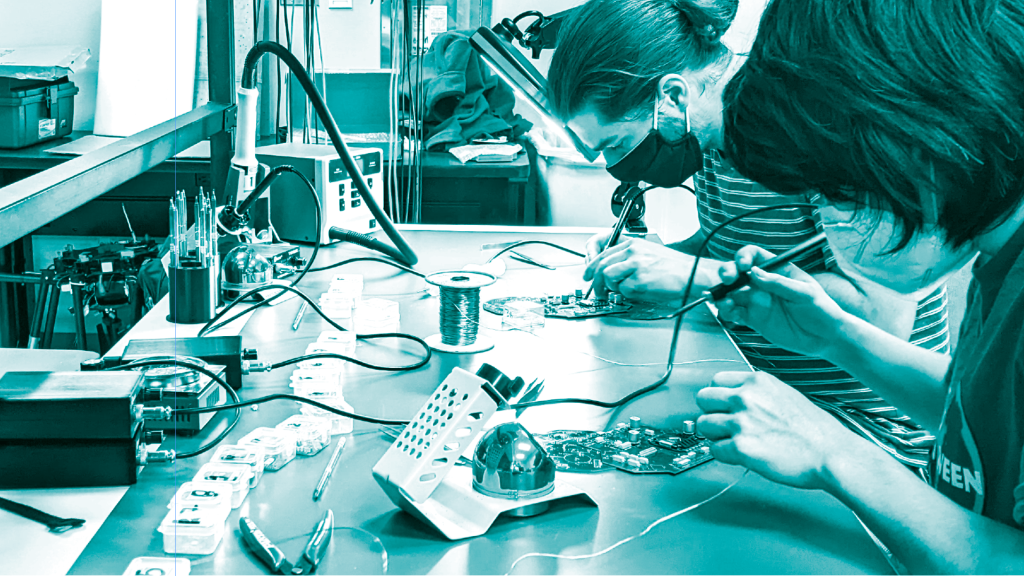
(343, 235)
(295, 67)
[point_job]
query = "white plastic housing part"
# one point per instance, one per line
(245, 132)
(432, 442)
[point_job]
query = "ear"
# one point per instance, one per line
(674, 91)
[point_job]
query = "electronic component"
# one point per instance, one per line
(571, 306)
(312, 434)
(213, 496)
(657, 452)
(192, 531)
(278, 445)
(251, 455)
(233, 477)
(68, 429)
(179, 387)
(225, 351)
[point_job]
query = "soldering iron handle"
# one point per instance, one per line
(723, 290)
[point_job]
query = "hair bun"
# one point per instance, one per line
(711, 34)
(710, 19)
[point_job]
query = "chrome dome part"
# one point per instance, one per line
(244, 269)
(509, 463)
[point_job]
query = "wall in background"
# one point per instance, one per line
(77, 22)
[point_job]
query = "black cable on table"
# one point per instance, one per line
(525, 242)
(231, 393)
(341, 328)
(303, 399)
(675, 331)
(398, 265)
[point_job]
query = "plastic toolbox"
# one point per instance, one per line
(33, 111)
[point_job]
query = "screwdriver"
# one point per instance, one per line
(722, 290)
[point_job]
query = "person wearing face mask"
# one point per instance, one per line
(641, 81)
(919, 170)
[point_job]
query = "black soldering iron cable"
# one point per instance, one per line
(678, 323)
(303, 399)
(400, 266)
(545, 243)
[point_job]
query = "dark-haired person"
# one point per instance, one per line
(908, 118)
(620, 60)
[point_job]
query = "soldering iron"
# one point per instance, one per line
(722, 290)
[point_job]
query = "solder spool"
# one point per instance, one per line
(459, 312)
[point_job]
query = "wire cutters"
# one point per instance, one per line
(272, 556)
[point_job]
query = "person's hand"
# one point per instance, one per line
(787, 307)
(641, 270)
(758, 422)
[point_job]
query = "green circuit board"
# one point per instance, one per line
(637, 450)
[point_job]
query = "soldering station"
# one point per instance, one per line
(309, 368)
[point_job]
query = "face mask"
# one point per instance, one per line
(860, 244)
(657, 161)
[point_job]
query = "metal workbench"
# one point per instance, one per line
(756, 527)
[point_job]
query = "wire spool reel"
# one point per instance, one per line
(459, 313)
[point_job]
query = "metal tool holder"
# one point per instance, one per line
(418, 471)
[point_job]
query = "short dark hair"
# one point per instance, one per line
(889, 105)
(611, 53)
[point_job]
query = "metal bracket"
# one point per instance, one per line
(230, 118)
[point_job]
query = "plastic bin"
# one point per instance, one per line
(33, 111)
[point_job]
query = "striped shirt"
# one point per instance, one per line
(723, 193)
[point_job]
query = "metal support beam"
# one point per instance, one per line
(40, 199)
(220, 56)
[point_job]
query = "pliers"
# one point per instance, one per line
(272, 556)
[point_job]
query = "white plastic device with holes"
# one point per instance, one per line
(418, 471)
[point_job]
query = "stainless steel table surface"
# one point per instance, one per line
(756, 527)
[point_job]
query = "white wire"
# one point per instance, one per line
(629, 539)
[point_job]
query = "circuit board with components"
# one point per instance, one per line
(629, 447)
(565, 306)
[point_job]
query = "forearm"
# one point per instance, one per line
(907, 376)
(706, 274)
(925, 530)
(872, 303)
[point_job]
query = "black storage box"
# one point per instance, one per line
(33, 111)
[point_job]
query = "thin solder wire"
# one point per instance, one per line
(629, 539)
(459, 315)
